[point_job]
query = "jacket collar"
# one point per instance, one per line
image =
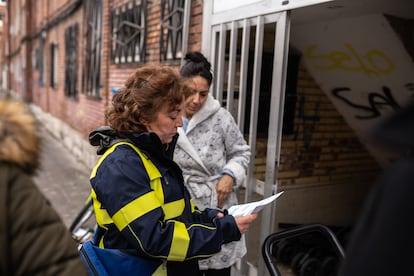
(150, 142)
(104, 137)
(210, 107)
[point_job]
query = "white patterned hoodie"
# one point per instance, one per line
(213, 143)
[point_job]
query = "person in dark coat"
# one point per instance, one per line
(382, 242)
(33, 239)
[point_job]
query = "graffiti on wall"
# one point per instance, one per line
(372, 62)
(367, 72)
(306, 123)
(376, 101)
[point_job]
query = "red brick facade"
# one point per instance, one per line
(333, 153)
(85, 113)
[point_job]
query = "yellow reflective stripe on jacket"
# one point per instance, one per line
(153, 173)
(173, 209)
(180, 243)
(101, 215)
(161, 270)
(136, 208)
(156, 185)
(144, 204)
(110, 150)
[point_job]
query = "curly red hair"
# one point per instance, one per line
(146, 92)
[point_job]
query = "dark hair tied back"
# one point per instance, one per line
(196, 65)
(198, 57)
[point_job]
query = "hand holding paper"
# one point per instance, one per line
(252, 207)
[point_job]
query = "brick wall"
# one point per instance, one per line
(322, 150)
(83, 113)
(325, 171)
(196, 26)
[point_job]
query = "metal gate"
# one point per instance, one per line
(236, 52)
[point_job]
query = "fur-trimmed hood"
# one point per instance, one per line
(19, 139)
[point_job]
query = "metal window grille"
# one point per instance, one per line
(93, 48)
(129, 25)
(34, 59)
(40, 60)
(171, 30)
(53, 64)
(71, 61)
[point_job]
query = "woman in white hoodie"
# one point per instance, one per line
(213, 155)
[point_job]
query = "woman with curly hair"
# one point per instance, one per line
(141, 204)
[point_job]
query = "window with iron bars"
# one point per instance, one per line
(91, 81)
(40, 60)
(174, 15)
(71, 61)
(54, 59)
(129, 26)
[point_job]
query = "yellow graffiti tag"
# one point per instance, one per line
(374, 62)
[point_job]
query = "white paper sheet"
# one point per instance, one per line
(252, 207)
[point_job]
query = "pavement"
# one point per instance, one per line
(62, 178)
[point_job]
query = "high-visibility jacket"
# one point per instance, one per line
(141, 205)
